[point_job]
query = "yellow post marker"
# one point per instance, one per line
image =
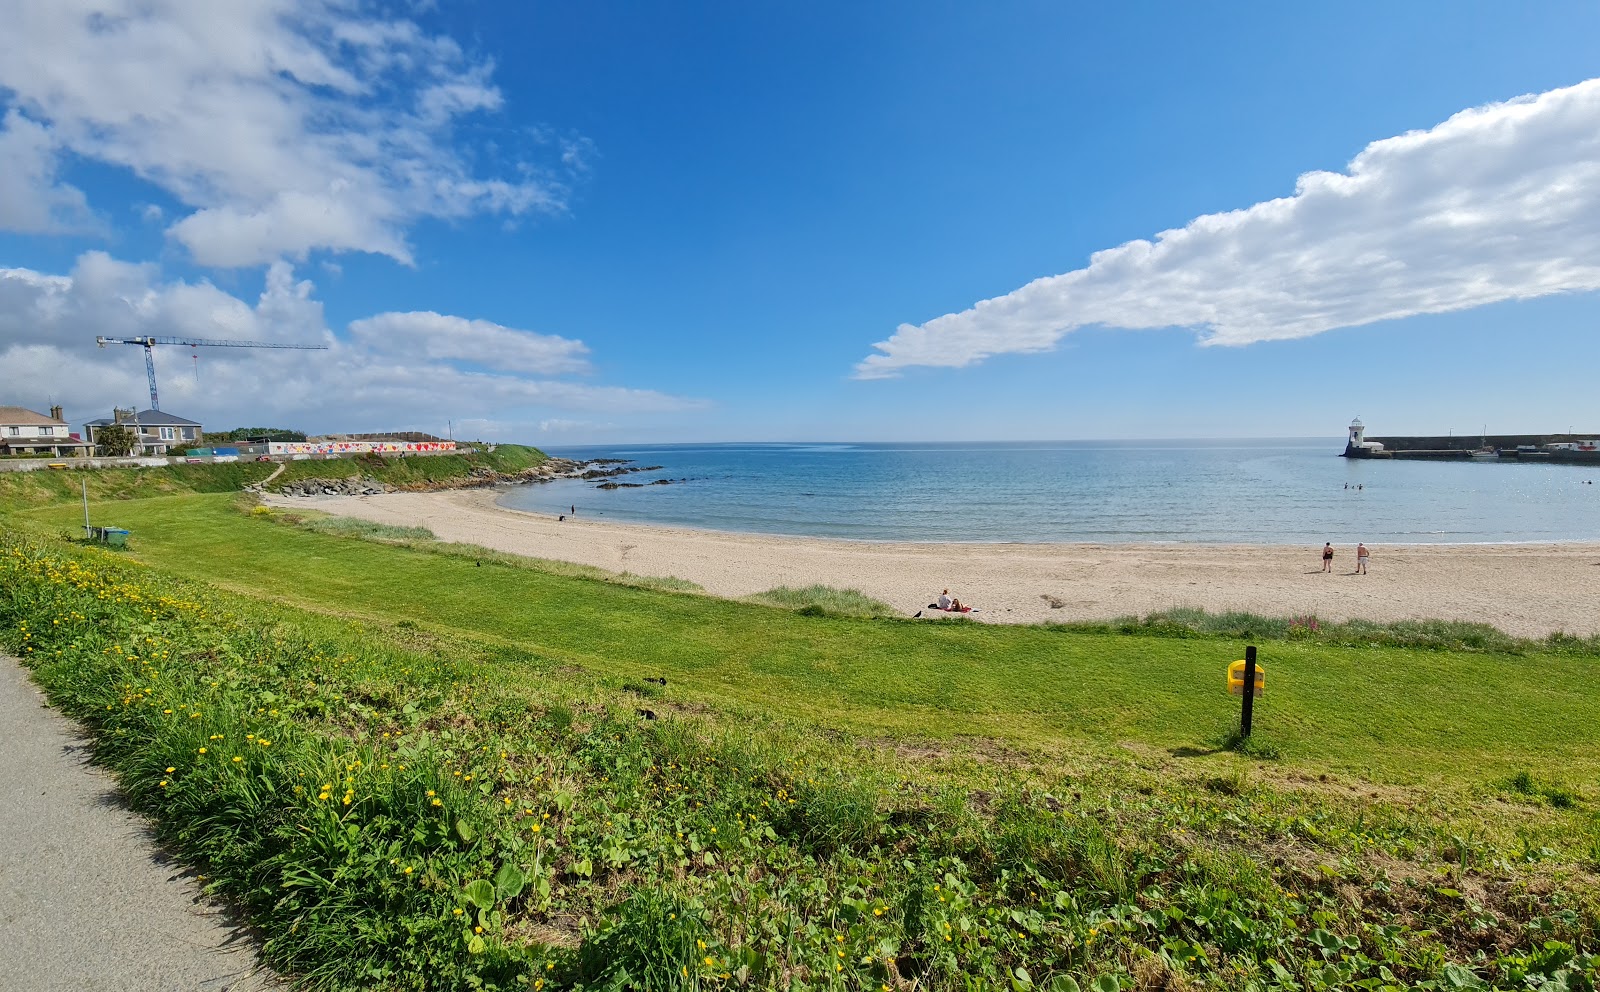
(1247, 673)
(1236, 678)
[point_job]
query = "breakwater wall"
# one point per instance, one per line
(1456, 447)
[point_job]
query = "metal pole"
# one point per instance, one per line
(1247, 707)
(85, 481)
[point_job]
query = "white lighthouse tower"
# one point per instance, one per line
(1359, 446)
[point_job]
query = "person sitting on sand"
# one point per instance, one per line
(956, 607)
(944, 601)
(1327, 556)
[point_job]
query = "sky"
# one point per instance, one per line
(591, 222)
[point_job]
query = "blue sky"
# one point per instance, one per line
(587, 222)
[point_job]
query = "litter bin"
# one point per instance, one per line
(115, 537)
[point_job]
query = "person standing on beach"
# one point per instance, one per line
(1327, 556)
(1362, 554)
(574, 509)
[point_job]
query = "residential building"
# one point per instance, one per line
(23, 432)
(157, 430)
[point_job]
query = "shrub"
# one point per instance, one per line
(820, 600)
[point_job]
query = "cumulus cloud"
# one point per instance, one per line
(284, 126)
(391, 371)
(480, 342)
(1500, 202)
(31, 199)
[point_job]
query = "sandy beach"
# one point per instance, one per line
(1528, 590)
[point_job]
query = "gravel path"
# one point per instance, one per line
(87, 900)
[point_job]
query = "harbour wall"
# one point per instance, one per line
(1455, 447)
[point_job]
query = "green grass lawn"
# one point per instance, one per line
(1387, 714)
(414, 766)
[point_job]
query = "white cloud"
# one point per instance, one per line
(1501, 202)
(393, 371)
(439, 336)
(31, 200)
(565, 425)
(286, 126)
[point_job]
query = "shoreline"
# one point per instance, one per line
(1527, 590)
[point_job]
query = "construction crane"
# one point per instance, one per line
(149, 343)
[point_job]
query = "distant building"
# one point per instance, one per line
(383, 447)
(23, 432)
(157, 431)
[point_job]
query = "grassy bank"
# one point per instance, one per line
(427, 766)
(1389, 714)
(20, 489)
(399, 805)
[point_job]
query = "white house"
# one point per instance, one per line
(23, 432)
(157, 431)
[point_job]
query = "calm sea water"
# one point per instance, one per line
(1252, 492)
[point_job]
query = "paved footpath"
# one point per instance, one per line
(87, 900)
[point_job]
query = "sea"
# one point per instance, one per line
(1270, 491)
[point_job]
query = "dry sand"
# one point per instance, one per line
(1528, 590)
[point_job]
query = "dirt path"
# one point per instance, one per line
(87, 900)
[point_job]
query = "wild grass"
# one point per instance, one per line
(1433, 635)
(820, 600)
(405, 805)
(1528, 785)
(365, 530)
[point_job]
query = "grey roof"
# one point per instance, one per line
(148, 418)
(20, 415)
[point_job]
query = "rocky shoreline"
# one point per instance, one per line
(607, 469)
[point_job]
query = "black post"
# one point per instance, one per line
(1247, 707)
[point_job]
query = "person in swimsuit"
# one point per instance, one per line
(1362, 554)
(1327, 556)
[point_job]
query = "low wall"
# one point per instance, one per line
(1472, 442)
(43, 464)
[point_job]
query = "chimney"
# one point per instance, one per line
(55, 413)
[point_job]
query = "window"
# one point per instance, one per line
(47, 431)
(188, 433)
(166, 434)
(13, 431)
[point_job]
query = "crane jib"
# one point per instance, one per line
(148, 343)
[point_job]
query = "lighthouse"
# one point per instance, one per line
(1359, 446)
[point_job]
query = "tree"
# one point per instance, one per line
(115, 439)
(256, 433)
